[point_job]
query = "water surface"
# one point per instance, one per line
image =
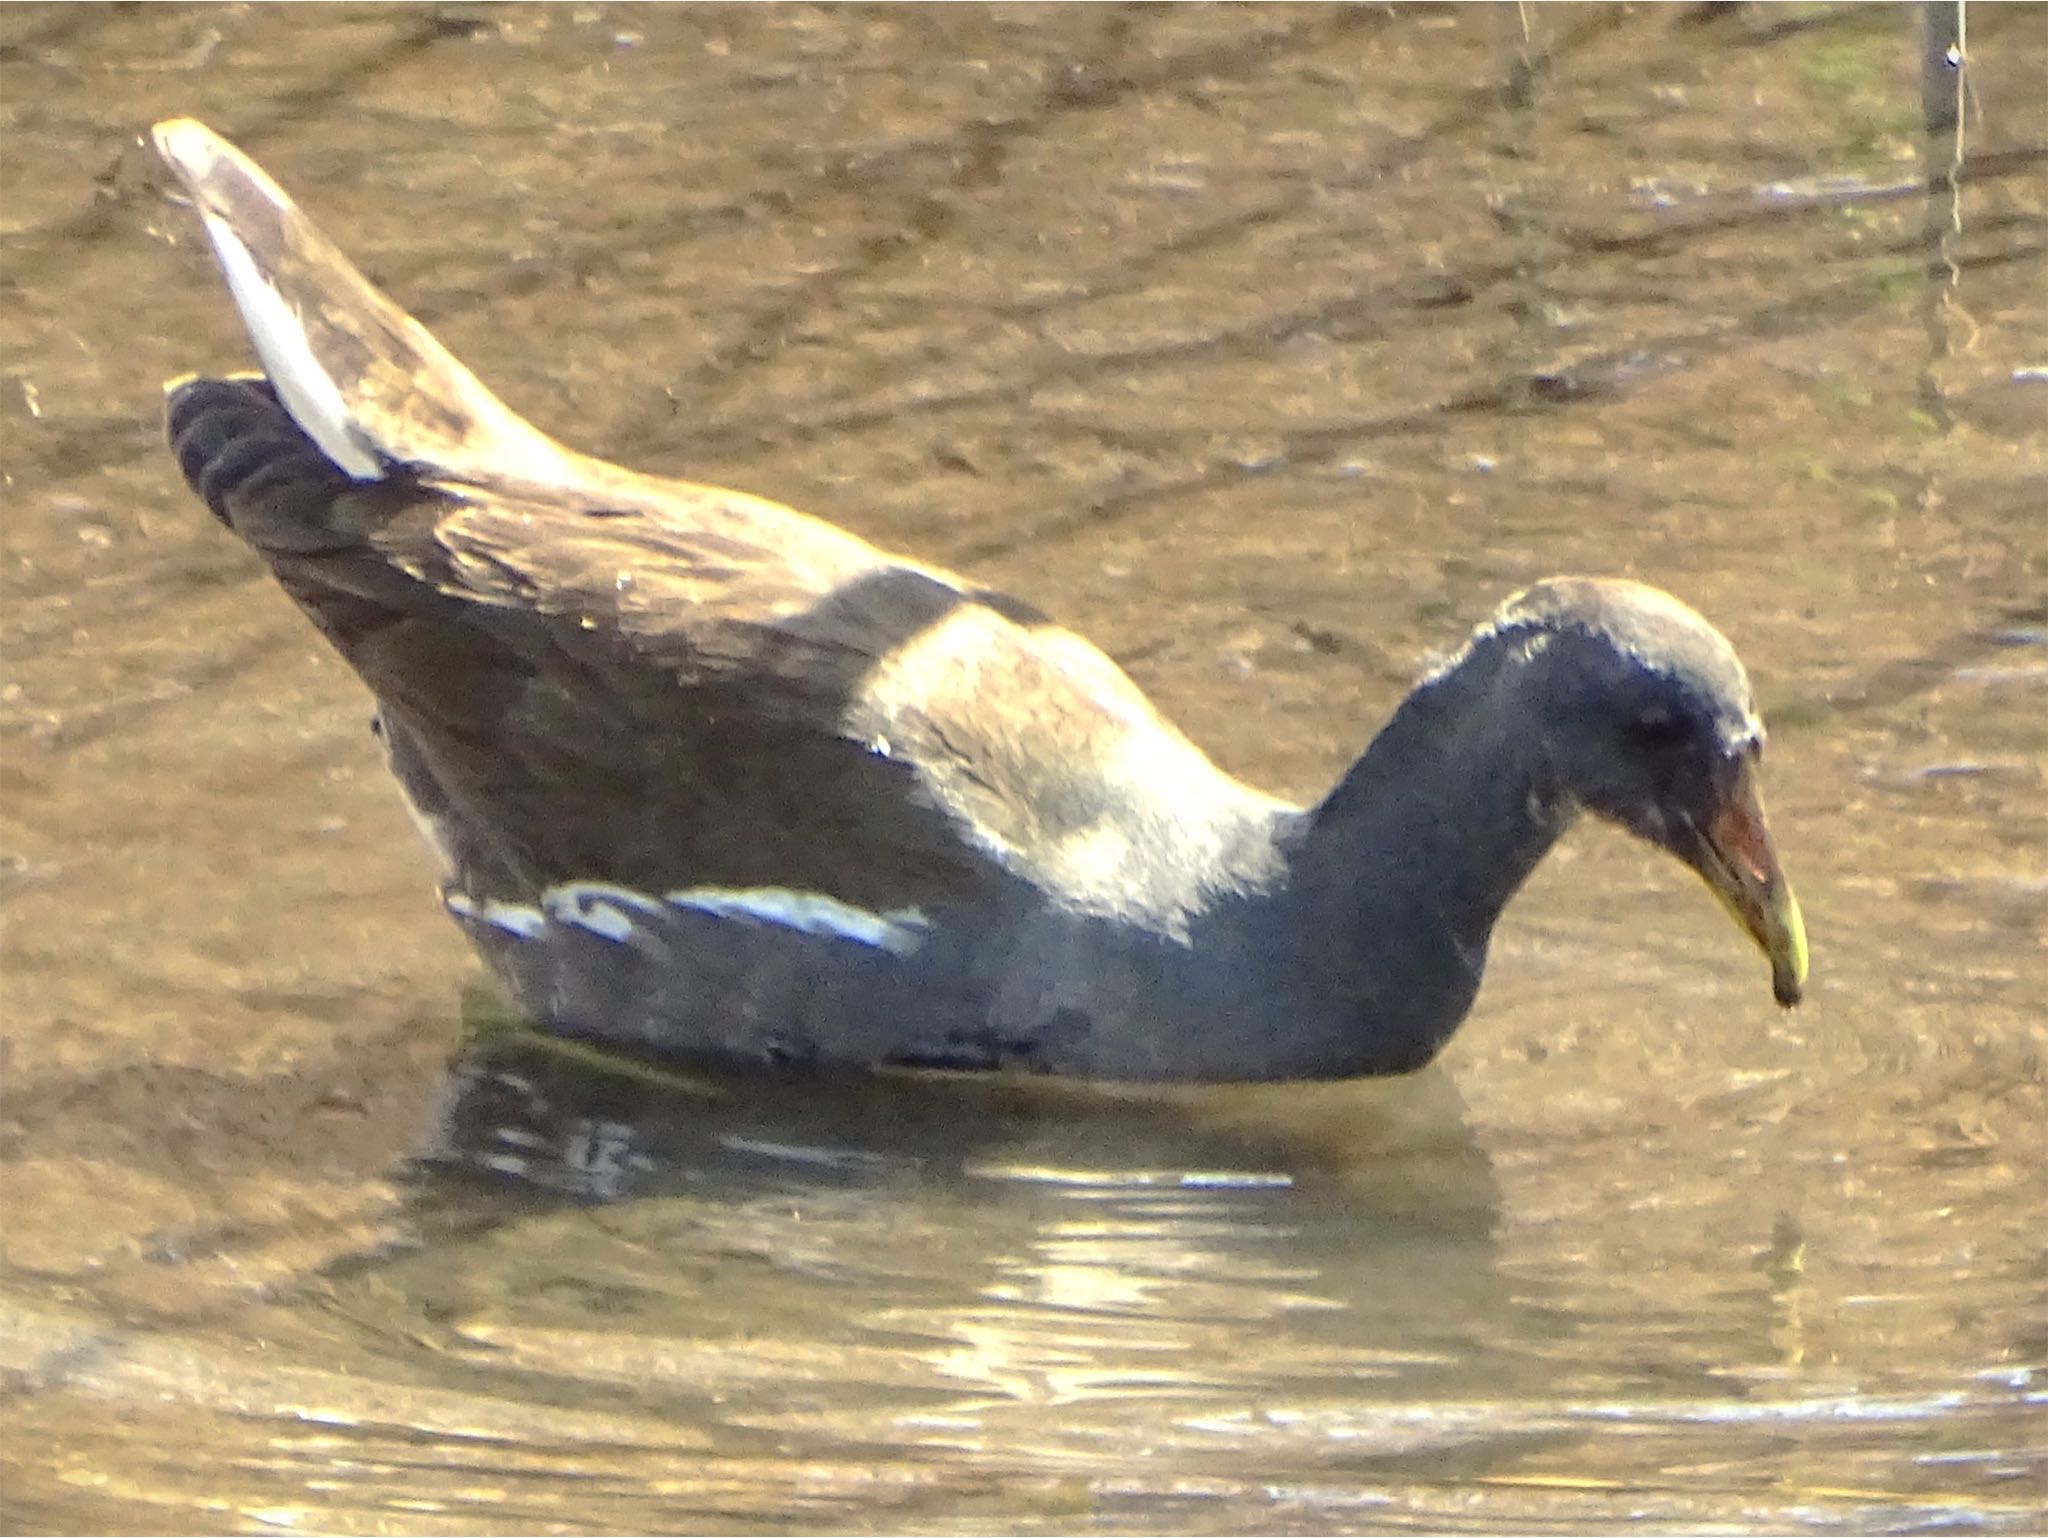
(1270, 348)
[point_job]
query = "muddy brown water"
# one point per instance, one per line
(1269, 348)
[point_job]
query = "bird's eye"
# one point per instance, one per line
(1656, 729)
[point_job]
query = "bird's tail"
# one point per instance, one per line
(250, 462)
(365, 381)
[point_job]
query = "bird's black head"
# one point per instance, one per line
(1646, 718)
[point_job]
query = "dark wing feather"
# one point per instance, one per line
(681, 727)
(598, 675)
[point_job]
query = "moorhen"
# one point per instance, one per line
(711, 778)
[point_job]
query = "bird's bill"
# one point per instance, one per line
(1736, 860)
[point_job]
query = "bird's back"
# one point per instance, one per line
(591, 680)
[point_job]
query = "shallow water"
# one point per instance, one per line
(1269, 348)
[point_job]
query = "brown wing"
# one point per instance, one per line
(592, 693)
(592, 674)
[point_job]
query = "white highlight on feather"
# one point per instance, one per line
(476, 435)
(1646, 623)
(1081, 786)
(607, 923)
(515, 919)
(598, 909)
(607, 912)
(899, 931)
(279, 336)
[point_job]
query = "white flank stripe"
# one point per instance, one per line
(899, 932)
(279, 336)
(591, 905)
(514, 918)
(608, 912)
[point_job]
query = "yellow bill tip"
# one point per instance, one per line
(1787, 950)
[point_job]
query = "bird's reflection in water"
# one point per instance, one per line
(924, 1259)
(600, 1127)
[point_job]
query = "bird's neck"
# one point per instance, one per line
(1406, 864)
